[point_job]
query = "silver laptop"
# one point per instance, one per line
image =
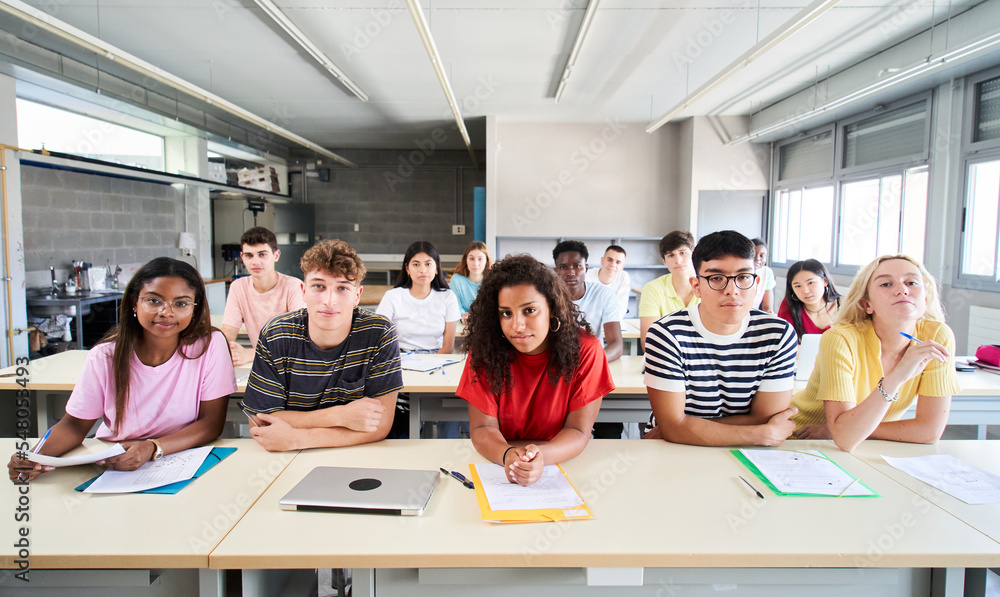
(808, 351)
(362, 490)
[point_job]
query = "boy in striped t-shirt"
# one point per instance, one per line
(327, 375)
(720, 373)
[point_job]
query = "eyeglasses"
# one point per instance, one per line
(151, 304)
(719, 282)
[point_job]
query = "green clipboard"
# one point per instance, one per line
(753, 469)
(214, 457)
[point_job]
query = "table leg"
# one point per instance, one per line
(211, 583)
(415, 415)
(41, 411)
(363, 582)
(947, 582)
(981, 431)
(264, 583)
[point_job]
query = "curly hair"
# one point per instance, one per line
(336, 257)
(491, 354)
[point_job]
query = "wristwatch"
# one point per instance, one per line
(158, 453)
(885, 394)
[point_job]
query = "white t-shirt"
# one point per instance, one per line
(419, 322)
(620, 286)
(598, 307)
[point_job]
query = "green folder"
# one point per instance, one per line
(214, 457)
(760, 475)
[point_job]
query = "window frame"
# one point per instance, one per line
(970, 115)
(840, 175)
(962, 279)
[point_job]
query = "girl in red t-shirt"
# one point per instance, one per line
(535, 375)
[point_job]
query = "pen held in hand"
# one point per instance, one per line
(911, 337)
(752, 488)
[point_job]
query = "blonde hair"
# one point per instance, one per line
(852, 311)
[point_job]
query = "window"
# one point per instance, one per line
(66, 132)
(856, 190)
(982, 204)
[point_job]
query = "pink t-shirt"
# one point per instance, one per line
(246, 306)
(162, 400)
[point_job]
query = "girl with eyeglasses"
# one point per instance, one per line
(159, 382)
(535, 375)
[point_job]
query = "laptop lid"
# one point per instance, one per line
(808, 351)
(362, 490)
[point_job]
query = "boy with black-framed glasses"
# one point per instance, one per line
(720, 373)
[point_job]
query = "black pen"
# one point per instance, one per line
(759, 494)
(460, 478)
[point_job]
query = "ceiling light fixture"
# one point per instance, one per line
(920, 68)
(271, 10)
(93, 44)
(793, 25)
(582, 33)
(432, 52)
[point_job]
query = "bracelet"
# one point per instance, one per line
(885, 394)
(503, 461)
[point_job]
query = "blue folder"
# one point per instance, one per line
(214, 457)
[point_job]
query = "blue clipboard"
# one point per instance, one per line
(214, 457)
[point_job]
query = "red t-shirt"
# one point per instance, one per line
(808, 327)
(535, 409)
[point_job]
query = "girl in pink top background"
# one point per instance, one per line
(159, 381)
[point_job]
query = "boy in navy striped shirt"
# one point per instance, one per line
(720, 373)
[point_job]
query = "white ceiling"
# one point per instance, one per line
(503, 57)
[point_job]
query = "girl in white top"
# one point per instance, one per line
(424, 309)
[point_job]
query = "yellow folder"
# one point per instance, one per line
(580, 512)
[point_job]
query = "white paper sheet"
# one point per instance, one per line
(78, 459)
(552, 490)
(805, 471)
(424, 362)
(955, 477)
(169, 469)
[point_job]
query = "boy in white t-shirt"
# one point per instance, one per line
(255, 299)
(613, 275)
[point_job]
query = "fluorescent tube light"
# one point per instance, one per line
(571, 61)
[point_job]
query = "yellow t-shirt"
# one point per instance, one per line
(659, 298)
(849, 366)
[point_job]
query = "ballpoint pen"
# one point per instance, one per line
(459, 477)
(911, 337)
(754, 489)
(42, 441)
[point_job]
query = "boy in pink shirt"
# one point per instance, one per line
(255, 299)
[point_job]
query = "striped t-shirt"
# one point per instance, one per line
(291, 373)
(720, 375)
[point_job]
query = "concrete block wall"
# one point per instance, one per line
(395, 198)
(71, 216)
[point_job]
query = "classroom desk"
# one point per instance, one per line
(115, 532)
(217, 322)
(674, 519)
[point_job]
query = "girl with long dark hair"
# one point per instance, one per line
(535, 375)
(159, 381)
(811, 300)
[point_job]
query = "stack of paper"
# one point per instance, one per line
(959, 479)
(550, 498)
(425, 362)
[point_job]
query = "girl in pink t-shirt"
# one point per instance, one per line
(159, 382)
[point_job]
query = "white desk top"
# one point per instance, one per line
(655, 505)
(984, 454)
(83, 530)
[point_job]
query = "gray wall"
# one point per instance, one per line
(71, 216)
(395, 198)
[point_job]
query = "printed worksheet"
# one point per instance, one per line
(955, 477)
(169, 469)
(805, 471)
(552, 490)
(425, 362)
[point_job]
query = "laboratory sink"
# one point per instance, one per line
(42, 303)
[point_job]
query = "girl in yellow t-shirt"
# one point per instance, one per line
(869, 371)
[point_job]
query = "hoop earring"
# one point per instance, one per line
(558, 325)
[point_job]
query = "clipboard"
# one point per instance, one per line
(738, 453)
(581, 512)
(214, 457)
